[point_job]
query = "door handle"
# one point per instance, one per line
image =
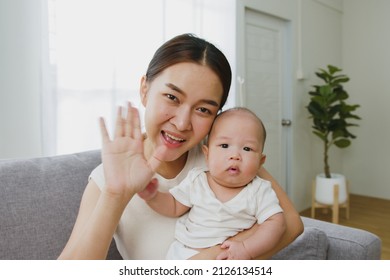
(286, 122)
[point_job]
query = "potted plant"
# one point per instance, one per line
(331, 117)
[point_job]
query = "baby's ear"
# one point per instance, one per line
(262, 159)
(205, 150)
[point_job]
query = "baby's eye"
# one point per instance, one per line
(247, 149)
(224, 146)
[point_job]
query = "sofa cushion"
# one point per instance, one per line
(312, 244)
(39, 201)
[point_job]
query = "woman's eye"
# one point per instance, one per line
(224, 146)
(247, 149)
(171, 97)
(204, 110)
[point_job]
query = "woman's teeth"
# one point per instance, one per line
(173, 137)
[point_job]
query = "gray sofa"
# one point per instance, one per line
(40, 197)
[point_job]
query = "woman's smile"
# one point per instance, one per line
(172, 139)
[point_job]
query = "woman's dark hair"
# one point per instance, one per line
(189, 48)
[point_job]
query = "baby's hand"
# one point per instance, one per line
(235, 250)
(150, 191)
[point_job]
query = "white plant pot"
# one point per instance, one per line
(325, 187)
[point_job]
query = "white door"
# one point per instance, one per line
(268, 87)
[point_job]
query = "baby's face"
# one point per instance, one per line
(234, 153)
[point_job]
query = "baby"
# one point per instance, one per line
(227, 196)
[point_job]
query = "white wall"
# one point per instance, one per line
(366, 59)
(20, 64)
(321, 45)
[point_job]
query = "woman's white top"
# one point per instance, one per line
(210, 221)
(142, 233)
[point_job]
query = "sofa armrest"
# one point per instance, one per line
(347, 243)
(312, 244)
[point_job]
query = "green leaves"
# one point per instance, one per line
(342, 143)
(333, 69)
(329, 111)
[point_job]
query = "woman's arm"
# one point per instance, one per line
(126, 173)
(294, 225)
(95, 225)
(293, 222)
(261, 241)
(267, 236)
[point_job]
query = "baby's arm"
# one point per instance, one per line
(161, 202)
(266, 236)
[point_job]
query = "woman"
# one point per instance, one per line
(186, 84)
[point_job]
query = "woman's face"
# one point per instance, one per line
(181, 104)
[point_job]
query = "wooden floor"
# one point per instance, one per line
(371, 214)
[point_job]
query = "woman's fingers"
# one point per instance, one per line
(223, 256)
(119, 123)
(128, 121)
(129, 126)
(225, 244)
(103, 131)
(137, 133)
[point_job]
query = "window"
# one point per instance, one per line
(98, 52)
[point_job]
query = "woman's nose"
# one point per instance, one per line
(182, 119)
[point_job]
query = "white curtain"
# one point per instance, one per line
(98, 51)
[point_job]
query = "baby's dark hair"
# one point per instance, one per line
(244, 109)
